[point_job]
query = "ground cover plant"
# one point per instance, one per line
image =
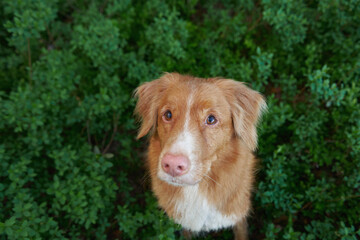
(70, 167)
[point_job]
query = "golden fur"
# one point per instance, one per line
(222, 154)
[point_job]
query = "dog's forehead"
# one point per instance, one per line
(194, 91)
(177, 94)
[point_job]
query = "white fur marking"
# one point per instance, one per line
(184, 144)
(196, 214)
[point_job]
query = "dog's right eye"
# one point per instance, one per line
(167, 116)
(211, 120)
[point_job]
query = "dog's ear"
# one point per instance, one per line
(146, 108)
(246, 106)
(149, 95)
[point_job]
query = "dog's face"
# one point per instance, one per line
(194, 119)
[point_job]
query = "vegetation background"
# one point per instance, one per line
(70, 167)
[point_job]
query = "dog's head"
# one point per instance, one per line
(194, 119)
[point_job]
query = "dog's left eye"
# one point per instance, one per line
(211, 120)
(167, 115)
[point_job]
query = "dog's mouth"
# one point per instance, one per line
(181, 181)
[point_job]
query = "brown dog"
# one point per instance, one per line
(201, 162)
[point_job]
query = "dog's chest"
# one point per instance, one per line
(196, 214)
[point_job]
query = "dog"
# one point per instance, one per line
(200, 155)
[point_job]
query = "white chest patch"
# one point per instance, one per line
(196, 214)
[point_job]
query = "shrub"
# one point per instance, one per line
(70, 165)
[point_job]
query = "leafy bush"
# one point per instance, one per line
(70, 165)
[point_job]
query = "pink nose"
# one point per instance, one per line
(175, 165)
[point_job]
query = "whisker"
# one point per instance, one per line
(147, 176)
(205, 175)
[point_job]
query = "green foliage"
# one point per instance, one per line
(70, 165)
(150, 223)
(30, 18)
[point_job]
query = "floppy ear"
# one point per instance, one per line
(246, 106)
(146, 107)
(149, 95)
